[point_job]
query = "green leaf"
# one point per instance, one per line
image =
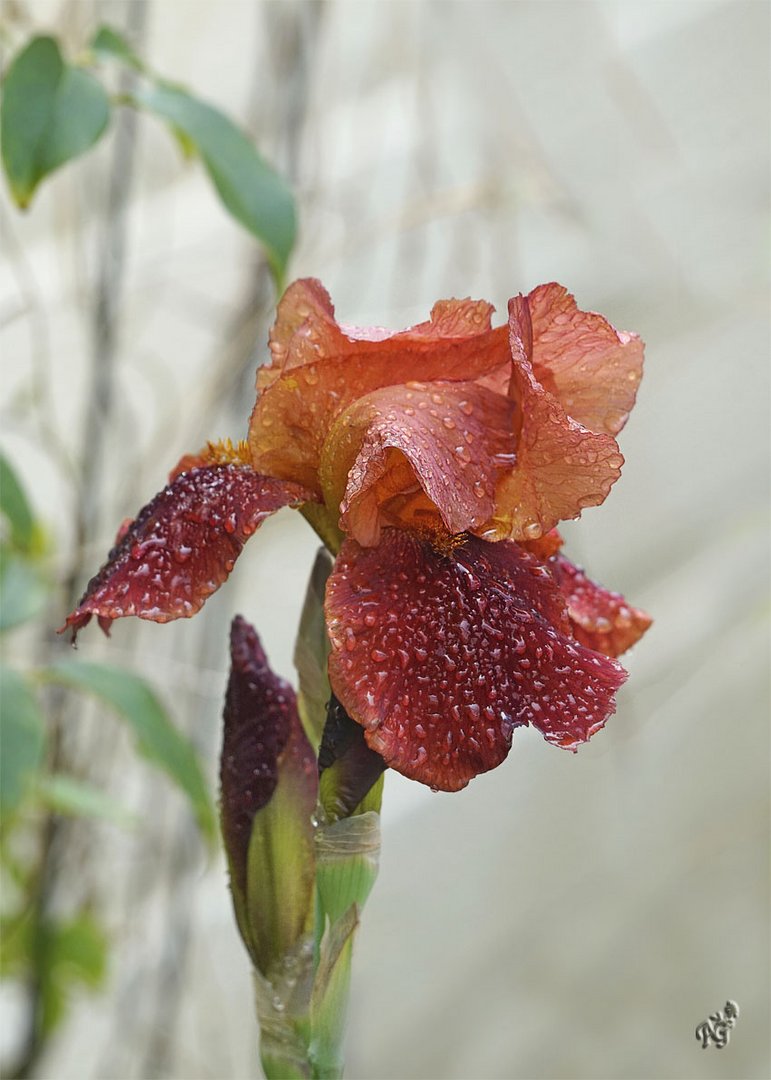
(23, 591)
(71, 952)
(15, 508)
(74, 798)
(51, 112)
(157, 738)
(347, 855)
(109, 44)
(311, 651)
(252, 192)
(329, 1000)
(17, 939)
(22, 737)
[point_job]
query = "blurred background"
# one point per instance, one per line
(564, 916)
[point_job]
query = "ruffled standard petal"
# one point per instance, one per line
(418, 455)
(601, 620)
(305, 330)
(183, 544)
(320, 367)
(439, 656)
(592, 368)
(561, 467)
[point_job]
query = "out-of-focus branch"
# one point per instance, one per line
(53, 837)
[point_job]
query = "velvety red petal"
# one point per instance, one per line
(261, 723)
(592, 368)
(319, 368)
(439, 656)
(602, 620)
(183, 545)
(562, 467)
(418, 454)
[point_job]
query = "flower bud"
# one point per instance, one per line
(269, 784)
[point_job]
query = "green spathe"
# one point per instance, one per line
(279, 904)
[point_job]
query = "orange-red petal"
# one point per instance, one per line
(320, 367)
(440, 656)
(593, 369)
(601, 620)
(418, 454)
(182, 545)
(562, 467)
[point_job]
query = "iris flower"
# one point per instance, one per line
(435, 463)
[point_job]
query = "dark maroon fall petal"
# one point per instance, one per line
(183, 545)
(601, 619)
(439, 655)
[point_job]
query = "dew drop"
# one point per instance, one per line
(624, 617)
(420, 758)
(533, 530)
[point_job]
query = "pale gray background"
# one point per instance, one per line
(565, 916)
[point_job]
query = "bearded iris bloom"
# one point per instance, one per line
(435, 463)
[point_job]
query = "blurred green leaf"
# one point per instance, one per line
(157, 738)
(23, 590)
(329, 1000)
(311, 651)
(253, 192)
(15, 508)
(15, 935)
(71, 952)
(22, 737)
(75, 798)
(51, 112)
(347, 855)
(108, 43)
